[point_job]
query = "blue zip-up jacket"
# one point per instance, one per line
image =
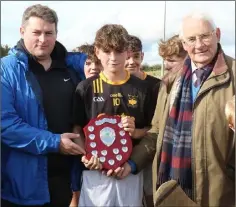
(24, 136)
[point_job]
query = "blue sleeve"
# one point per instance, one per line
(75, 61)
(76, 173)
(16, 133)
(133, 166)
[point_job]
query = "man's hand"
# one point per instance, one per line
(128, 124)
(67, 146)
(92, 164)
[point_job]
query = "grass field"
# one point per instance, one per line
(156, 73)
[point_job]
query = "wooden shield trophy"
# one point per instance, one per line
(107, 140)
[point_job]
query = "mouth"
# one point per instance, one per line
(94, 73)
(200, 53)
(115, 64)
(131, 68)
(42, 46)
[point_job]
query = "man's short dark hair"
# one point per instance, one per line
(42, 12)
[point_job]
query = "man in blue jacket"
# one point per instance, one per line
(38, 80)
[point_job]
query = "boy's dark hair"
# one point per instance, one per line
(43, 12)
(89, 51)
(112, 37)
(134, 44)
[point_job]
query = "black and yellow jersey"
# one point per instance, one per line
(152, 81)
(154, 85)
(97, 95)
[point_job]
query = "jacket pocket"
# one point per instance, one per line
(25, 183)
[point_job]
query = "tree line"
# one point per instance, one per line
(5, 49)
(148, 68)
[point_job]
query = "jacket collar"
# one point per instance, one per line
(170, 77)
(219, 74)
(59, 53)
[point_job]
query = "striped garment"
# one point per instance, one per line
(177, 142)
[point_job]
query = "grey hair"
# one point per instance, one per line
(42, 12)
(199, 16)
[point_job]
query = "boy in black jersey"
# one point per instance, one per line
(92, 66)
(134, 61)
(133, 65)
(111, 93)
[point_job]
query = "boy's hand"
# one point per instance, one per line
(140, 133)
(115, 172)
(120, 172)
(128, 124)
(126, 171)
(92, 164)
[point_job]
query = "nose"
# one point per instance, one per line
(199, 43)
(42, 38)
(130, 61)
(93, 66)
(112, 55)
(166, 64)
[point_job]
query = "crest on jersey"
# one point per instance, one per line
(132, 101)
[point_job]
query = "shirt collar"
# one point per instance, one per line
(194, 67)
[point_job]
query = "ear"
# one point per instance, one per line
(218, 34)
(22, 32)
(142, 56)
(185, 46)
(97, 53)
(231, 127)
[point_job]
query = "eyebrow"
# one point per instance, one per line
(136, 53)
(36, 30)
(205, 33)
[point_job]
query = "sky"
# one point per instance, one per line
(79, 21)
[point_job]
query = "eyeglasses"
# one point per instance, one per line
(205, 38)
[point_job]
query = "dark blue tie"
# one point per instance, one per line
(199, 73)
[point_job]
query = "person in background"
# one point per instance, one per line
(92, 65)
(172, 52)
(133, 65)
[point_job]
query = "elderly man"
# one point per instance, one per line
(36, 105)
(195, 147)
